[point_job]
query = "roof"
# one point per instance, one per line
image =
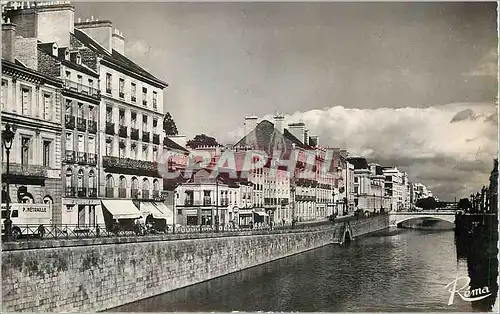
(171, 144)
(117, 59)
(266, 138)
(18, 66)
(358, 162)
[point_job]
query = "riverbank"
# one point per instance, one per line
(107, 273)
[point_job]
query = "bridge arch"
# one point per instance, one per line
(397, 219)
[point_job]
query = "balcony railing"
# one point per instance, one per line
(122, 132)
(92, 192)
(145, 136)
(82, 89)
(145, 194)
(82, 192)
(69, 121)
(224, 201)
(92, 126)
(156, 139)
(81, 124)
(92, 159)
(110, 192)
(128, 165)
(70, 192)
(110, 128)
(156, 194)
(188, 202)
(134, 193)
(70, 156)
(122, 192)
(82, 157)
(134, 134)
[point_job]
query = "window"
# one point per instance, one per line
(68, 75)
(78, 59)
(155, 153)
(144, 123)
(133, 118)
(121, 86)
(46, 153)
(109, 114)
(47, 106)
(80, 178)
(25, 100)
(92, 113)
(155, 125)
(80, 110)
(133, 91)
(81, 143)
(69, 141)
(144, 95)
(91, 179)
(80, 81)
(69, 176)
(25, 150)
(133, 151)
(121, 117)
(108, 83)
(155, 99)
(4, 93)
(144, 153)
(121, 150)
(91, 83)
(91, 149)
(109, 147)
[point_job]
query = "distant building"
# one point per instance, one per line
(394, 187)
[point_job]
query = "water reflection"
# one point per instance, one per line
(393, 271)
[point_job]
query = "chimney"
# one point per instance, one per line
(279, 122)
(100, 31)
(179, 139)
(306, 137)
(314, 140)
(250, 124)
(8, 41)
(297, 130)
(118, 42)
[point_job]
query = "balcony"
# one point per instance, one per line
(82, 192)
(145, 136)
(122, 132)
(92, 192)
(134, 193)
(110, 192)
(92, 126)
(82, 89)
(70, 192)
(82, 158)
(70, 156)
(69, 121)
(207, 201)
(156, 194)
(92, 159)
(110, 128)
(129, 166)
(188, 202)
(144, 103)
(81, 124)
(156, 139)
(122, 192)
(145, 194)
(134, 134)
(224, 201)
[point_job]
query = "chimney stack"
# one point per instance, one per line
(100, 31)
(118, 42)
(297, 130)
(8, 41)
(279, 122)
(250, 125)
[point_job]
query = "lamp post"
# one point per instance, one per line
(174, 195)
(7, 137)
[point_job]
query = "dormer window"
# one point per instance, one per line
(66, 55)
(78, 59)
(54, 50)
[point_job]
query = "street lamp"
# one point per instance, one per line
(8, 137)
(174, 196)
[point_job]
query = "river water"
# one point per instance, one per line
(393, 270)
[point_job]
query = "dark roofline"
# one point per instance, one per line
(296, 124)
(172, 144)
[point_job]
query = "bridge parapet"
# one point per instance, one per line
(395, 218)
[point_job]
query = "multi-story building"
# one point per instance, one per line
(377, 179)
(419, 191)
(31, 103)
(81, 99)
(130, 113)
(394, 187)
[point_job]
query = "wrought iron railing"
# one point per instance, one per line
(69, 121)
(69, 156)
(92, 126)
(80, 88)
(70, 192)
(92, 159)
(92, 192)
(82, 157)
(81, 124)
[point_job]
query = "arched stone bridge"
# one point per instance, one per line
(395, 218)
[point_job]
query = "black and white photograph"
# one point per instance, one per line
(249, 156)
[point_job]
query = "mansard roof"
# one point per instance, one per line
(116, 59)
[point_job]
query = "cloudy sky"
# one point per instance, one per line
(407, 84)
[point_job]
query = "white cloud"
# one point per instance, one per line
(488, 66)
(139, 48)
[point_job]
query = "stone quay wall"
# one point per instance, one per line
(99, 274)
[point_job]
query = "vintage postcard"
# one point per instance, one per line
(249, 156)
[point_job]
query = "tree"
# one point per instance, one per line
(428, 203)
(202, 140)
(169, 125)
(464, 204)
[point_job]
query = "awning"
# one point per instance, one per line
(121, 209)
(148, 208)
(263, 214)
(168, 213)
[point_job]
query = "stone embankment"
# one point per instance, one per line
(99, 274)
